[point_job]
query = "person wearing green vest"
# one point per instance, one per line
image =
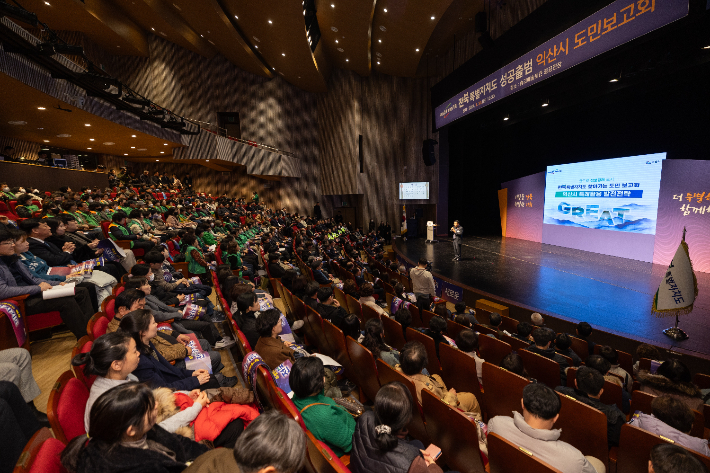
(255, 198)
(24, 207)
(118, 231)
(329, 422)
(6, 190)
(196, 263)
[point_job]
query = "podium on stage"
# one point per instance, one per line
(430, 232)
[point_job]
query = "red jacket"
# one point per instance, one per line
(215, 416)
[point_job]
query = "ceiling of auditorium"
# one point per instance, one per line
(80, 130)
(268, 37)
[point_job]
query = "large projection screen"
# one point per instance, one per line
(608, 206)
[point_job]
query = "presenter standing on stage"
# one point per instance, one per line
(458, 234)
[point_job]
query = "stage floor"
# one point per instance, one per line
(613, 294)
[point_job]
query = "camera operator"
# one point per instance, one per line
(422, 284)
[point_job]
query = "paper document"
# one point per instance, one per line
(59, 291)
(327, 361)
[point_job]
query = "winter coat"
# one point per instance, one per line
(213, 418)
(658, 385)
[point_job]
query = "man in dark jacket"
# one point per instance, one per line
(543, 338)
(329, 308)
(311, 295)
(589, 384)
(275, 269)
(319, 275)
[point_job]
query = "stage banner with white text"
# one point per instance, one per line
(526, 203)
(610, 27)
(447, 291)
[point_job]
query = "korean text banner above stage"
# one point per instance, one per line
(619, 23)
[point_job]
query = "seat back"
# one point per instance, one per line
(65, 407)
(289, 301)
(243, 346)
(635, 449)
(104, 228)
(493, 350)
(580, 347)
(283, 403)
(506, 457)
(583, 427)
(416, 427)
(41, 454)
(321, 458)
(458, 370)
(299, 308)
(263, 378)
(515, 343)
(485, 330)
(368, 313)
(353, 306)
(340, 297)
(394, 335)
(83, 345)
(543, 369)
(454, 433)
(416, 317)
(314, 332)
(97, 325)
(453, 329)
(336, 339)
(610, 395)
(503, 391)
(509, 324)
(427, 315)
(108, 306)
(433, 365)
(364, 367)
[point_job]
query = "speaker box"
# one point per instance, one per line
(428, 152)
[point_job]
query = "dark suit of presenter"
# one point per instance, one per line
(458, 235)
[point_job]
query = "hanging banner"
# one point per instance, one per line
(610, 27)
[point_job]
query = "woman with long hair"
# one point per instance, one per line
(375, 342)
(123, 437)
(379, 440)
(153, 368)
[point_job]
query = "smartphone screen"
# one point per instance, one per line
(434, 451)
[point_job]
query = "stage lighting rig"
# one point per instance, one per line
(135, 100)
(16, 13)
(51, 48)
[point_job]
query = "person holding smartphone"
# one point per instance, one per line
(380, 437)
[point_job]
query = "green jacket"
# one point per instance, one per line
(193, 266)
(331, 424)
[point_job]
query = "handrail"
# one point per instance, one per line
(251, 143)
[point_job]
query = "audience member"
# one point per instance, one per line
(563, 342)
(270, 347)
(374, 341)
(271, 443)
(495, 323)
(589, 385)
(667, 458)
(437, 325)
(329, 307)
(351, 327)
(328, 421)
(673, 420)
(19, 423)
(366, 298)
(460, 309)
(649, 352)
(537, 320)
(311, 295)
(379, 441)
(603, 366)
(467, 342)
(584, 331)
(533, 431)
(524, 330)
(611, 355)
(514, 363)
(123, 436)
(672, 378)
(543, 338)
(413, 359)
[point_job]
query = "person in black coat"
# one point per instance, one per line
(329, 307)
(123, 437)
(275, 269)
(248, 307)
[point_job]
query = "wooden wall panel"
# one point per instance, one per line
(24, 148)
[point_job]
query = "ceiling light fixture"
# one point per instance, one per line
(379, 40)
(546, 103)
(165, 144)
(270, 22)
(207, 160)
(133, 136)
(257, 47)
(506, 118)
(87, 124)
(706, 47)
(432, 17)
(235, 16)
(283, 54)
(88, 148)
(378, 62)
(347, 60)
(162, 152)
(336, 40)
(46, 141)
(133, 147)
(125, 154)
(41, 108)
(614, 80)
(417, 50)
(91, 139)
(332, 5)
(157, 160)
(385, 10)
(153, 29)
(47, 3)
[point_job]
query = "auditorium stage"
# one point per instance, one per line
(613, 294)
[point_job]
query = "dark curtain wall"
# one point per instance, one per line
(634, 121)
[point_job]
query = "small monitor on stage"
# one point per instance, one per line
(60, 163)
(413, 190)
